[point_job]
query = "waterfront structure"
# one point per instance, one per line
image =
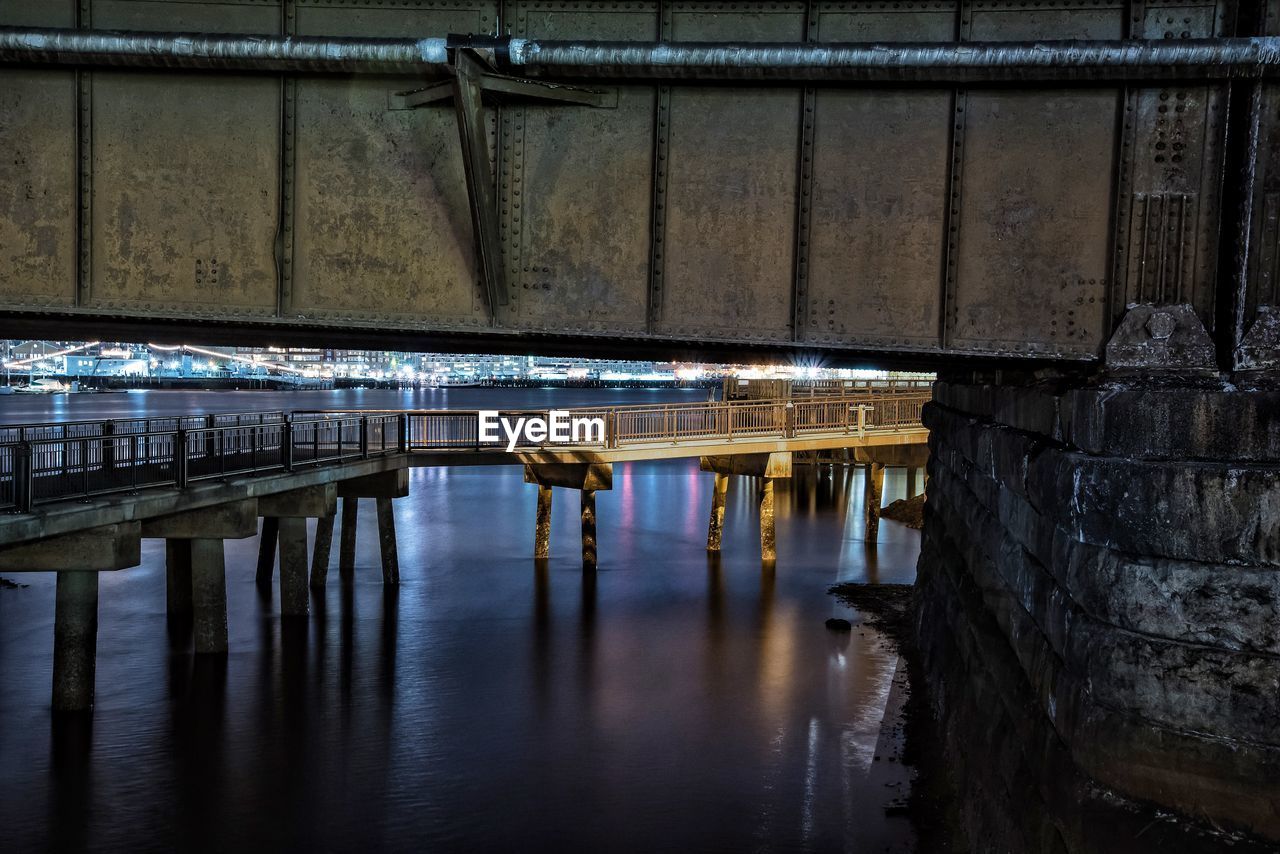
(199, 480)
(1068, 209)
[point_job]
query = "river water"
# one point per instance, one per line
(669, 702)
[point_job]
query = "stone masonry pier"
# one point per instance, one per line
(1100, 602)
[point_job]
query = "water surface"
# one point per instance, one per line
(667, 702)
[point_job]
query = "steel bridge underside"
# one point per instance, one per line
(993, 214)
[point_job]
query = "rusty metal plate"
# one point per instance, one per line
(1045, 19)
(579, 259)
(1264, 248)
(1173, 150)
(382, 226)
(731, 189)
(37, 172)
(877, 228)
(1033, 222)
(185, 175)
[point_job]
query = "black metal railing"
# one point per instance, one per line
(41, 463)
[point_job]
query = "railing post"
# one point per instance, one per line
(180, 458)
(611, 429)
(209, 447)
(286, 443)
(108, 446)
(364, 436)
(789, 421)
(402, 442)
(23, 495)
(862, 419)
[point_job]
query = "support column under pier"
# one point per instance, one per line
(177, 569)
(873, 495)
(294, 597)
(588, 529)
(768, 538)
(209, 596)
(347, 542)
(382, 487)
(542, 525)
(715, 527)
(267, 550)
(766, 467)
(206, 529)
(587, 478)
(322, 551)
(387, 541)
(286, 513)
(1099, 594)
(75, 641)
(77, 559)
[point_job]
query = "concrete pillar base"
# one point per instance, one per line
(177, 567)
(542, 526)
(768, 540)
(347, 545)
(75, 641)
(716, 525)
(387, 541)
(588, 529)
(873, 493)
(294, 599)
(209, 596)
(322, 550)
(267, 550)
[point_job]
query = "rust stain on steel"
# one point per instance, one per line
(1047, 231)
(585, 243)
(877, 230)
(731, 201)
(185, 176)
(37, 188)
(1035, 213)
(383, 228)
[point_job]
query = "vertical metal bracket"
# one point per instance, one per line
(804, 201)
(658, 211)
(479, 174)
(471, 78)
(955, 175)
(288, 140)
(84, 170)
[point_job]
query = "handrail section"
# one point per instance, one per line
(43, 462)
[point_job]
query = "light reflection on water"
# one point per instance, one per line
(671, 701)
